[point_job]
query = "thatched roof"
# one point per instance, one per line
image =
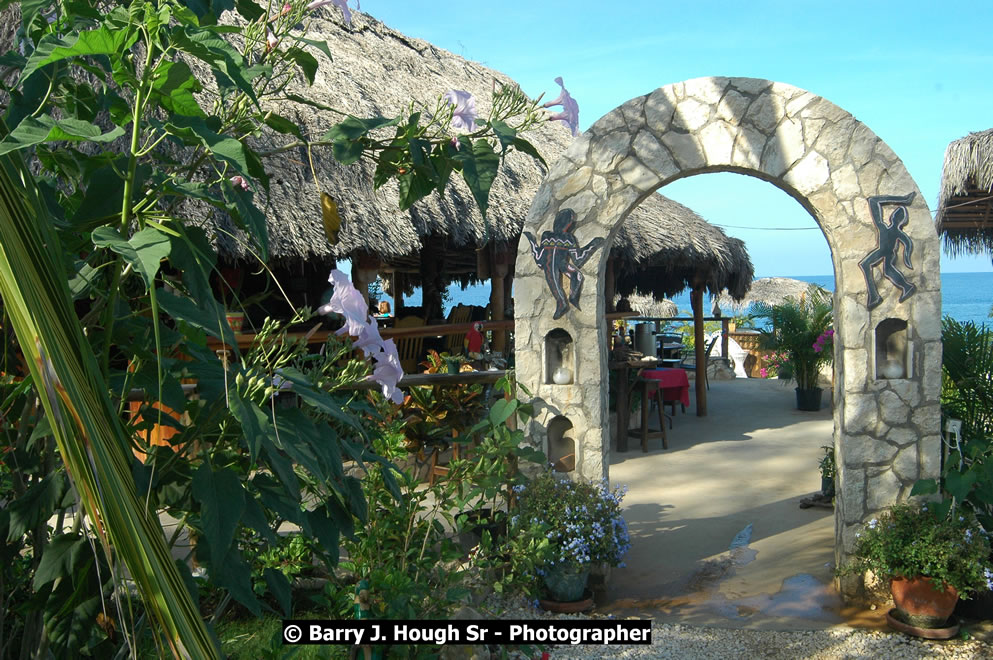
(377, 70)
(664, 247)
(650, 306)
(965, 204)
(769, 291)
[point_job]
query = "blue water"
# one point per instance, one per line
(964, 296)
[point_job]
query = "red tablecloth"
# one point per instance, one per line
(674, 383)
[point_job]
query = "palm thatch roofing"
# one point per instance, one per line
(768, 291)
(378, 71)
(651, 306)
(664, 247)
(965, 203)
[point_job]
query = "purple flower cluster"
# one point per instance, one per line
(359, 323)
(583, 520)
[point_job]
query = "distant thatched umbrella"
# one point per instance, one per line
(650, 306)
(965, 204)
(768, 290)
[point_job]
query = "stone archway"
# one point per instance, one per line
(888, 344)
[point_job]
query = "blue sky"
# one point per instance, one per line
(914, 72)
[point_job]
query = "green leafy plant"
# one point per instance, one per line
(912, 541)
(796, 325)
(967, 396)
(123, 127)
(827, 465)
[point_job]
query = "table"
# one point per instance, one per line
(675, 384)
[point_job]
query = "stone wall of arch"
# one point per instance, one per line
(886, 423)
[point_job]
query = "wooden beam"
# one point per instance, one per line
(696, 298)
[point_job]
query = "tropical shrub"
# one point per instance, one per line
(581, 520)
(967, 395)
(121, 125)
(799, 327)
(912, 541)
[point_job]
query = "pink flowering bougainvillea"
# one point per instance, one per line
(570, 109)
(824, 341)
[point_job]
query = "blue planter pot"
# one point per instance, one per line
(566, 582)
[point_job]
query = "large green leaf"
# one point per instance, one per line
(480, 165)
(36, 130)
(280, 588)
(145, 251)
(326, 531)
(222, 501)
(37, 504)
(223, 147)
(174, 86)
(254, 423)
(151, 246)
(304, 60)
(101, 41)
(184, 309)
(232, 573)
(208, 44)
(241, 205)
(58, 559)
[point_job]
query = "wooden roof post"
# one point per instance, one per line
(499, 270)
(696, 298)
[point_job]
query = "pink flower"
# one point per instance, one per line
(347, 301)
(570, 109)
(270, 39)
(388, 371)
(350, 303)
(343, 4)
(464, 115)
(239, 182)
(764, 372)
(369, 341)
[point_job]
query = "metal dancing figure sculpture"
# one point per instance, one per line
(889, 236)
(559, 255)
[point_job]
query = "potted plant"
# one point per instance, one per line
(801, 328)
(583, 524)
(828, 469)
(930, 560)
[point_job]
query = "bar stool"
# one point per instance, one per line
(646, 399)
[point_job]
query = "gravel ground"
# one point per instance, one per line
(691, 642)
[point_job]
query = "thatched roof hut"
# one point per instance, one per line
(446, 230)
(965, 203)
(768, 291)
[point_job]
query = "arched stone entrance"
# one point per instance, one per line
(888, 310)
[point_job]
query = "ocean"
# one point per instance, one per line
(964, 296)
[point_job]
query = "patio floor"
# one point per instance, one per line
(733, 478)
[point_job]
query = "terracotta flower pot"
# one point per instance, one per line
(923, 603)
